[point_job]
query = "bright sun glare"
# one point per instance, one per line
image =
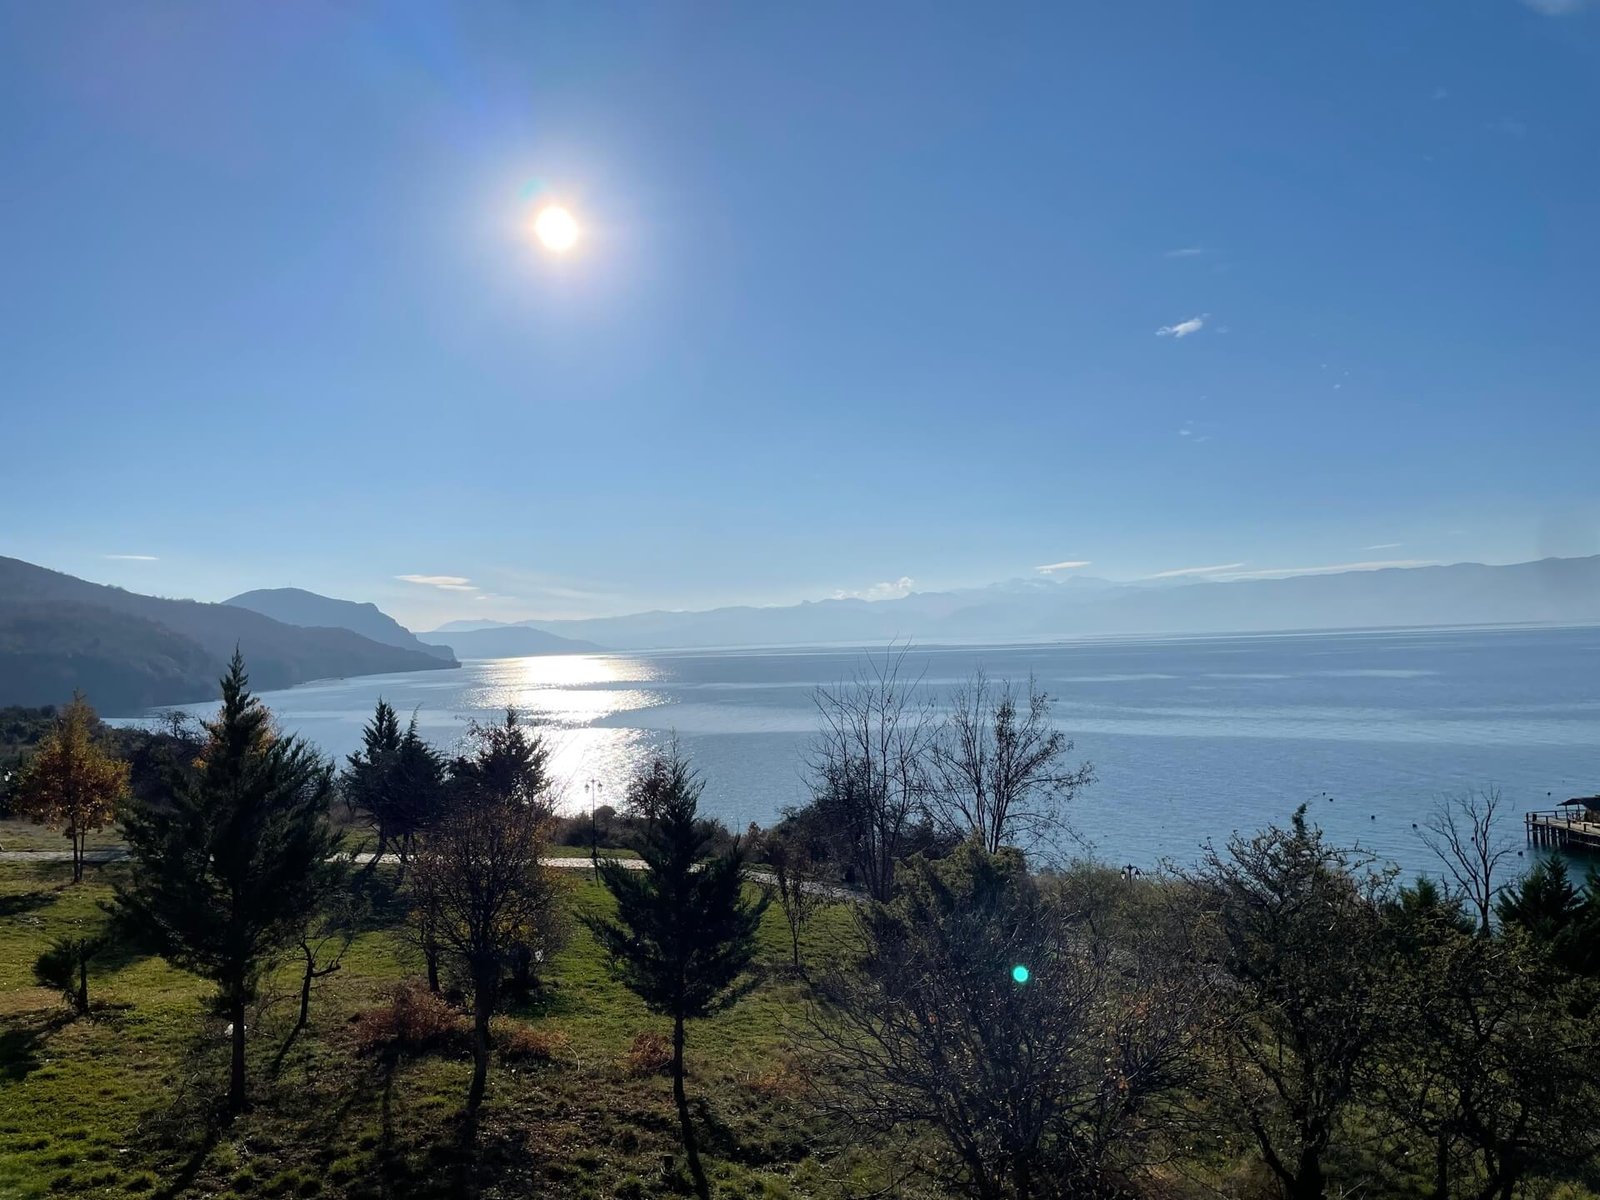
(556, 228)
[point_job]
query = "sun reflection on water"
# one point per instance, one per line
(568, 694)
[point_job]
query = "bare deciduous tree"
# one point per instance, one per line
(794, 882)
(478, 887)
(324, 941)
(868, 768)
(1462, 831)
(998, 765)
(988, 1016)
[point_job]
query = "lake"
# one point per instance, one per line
(1191, 738)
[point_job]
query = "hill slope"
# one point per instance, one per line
(296, 606)
(128, 651)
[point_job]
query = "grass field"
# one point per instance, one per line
(26, 835)
(123, 1102)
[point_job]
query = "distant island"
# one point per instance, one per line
(60, 634)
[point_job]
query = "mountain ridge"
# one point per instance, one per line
(129, 651)
(1562, 590)
(296, 606)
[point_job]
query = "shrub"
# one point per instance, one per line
(414, 1019)
(517, 1042)
(785, 1080)
(650, 1054)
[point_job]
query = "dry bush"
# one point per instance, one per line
(650, 1054)
(413, 1019)
(786, 1080)
(517, 1042)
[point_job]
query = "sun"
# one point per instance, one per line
(555, 228)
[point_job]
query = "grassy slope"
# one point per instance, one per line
(119, 1104)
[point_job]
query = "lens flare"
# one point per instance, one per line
(1020, 974)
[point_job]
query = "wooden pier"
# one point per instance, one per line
(1574, 826)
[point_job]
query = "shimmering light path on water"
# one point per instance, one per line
(1191, 738)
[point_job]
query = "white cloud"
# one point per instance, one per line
(132, 557)
(1071, 565)
(1286, 572)
(887, 590)
(1509, 126)
(1440, 93)
(1183, 328)
(1195, 571)
(1187, 252)
(1385, 546)
(1557, 8)
(450, 583)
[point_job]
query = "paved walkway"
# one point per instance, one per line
(118, 853)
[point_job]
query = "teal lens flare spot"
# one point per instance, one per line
(1019, 973)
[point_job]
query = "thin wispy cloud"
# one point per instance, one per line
(1508, 127)
(1557, 8)
(1182, 571)
(449, 583)
(1187, 252)
(887, 590)
(1385, 546)
(132, 557)
(1286, 572)
(1183, 328)
(1069, 565)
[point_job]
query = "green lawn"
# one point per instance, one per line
(25, 835)
(583, 852)
(122, 1103)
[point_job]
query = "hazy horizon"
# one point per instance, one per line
(1047, 586)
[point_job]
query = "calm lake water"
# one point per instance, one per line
(1191, 738)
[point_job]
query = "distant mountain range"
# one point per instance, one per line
(295, 606)
(1563, 590)
(505, 641)
(128, 652)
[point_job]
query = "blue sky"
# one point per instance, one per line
(866, 294)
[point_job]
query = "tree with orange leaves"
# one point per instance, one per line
(70, 782)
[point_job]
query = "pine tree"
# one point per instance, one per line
(509, 764)
(369, 772)
(397, 779)
(65, 967)
(684, 933)
(71, 783)
(419, 787)
(1549, 908)
(225, 872)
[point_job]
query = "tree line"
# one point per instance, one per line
(1283, 1016)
